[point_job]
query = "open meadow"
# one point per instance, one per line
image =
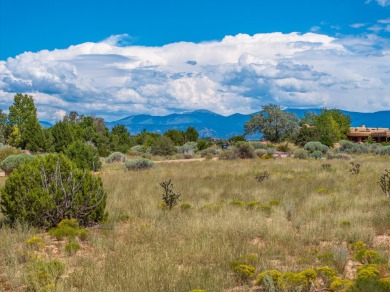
(304, 215)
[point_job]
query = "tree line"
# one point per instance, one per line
(21, 129)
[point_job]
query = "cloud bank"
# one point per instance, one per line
(239, 73)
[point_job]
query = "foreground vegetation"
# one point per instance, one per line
(286, 214)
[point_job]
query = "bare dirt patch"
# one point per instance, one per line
(381, 241)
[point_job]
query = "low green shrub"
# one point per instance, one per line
(301, 154)
(35, 242)
(244, 273)
(261, 152)
(312, 147)
(340, 156)
(350, 147)
(185, 206)
(268, 278)
(116, 157)
(72, 248)
(367, 271)
(189, 147)
(244, 150)
(228, 154)
(316, 154)
(340, 285)
(7, 151)
(139, 164)
(70, 229)
(237, 203)
(327, 274)
(252, 204)
(13, 161)
(41, 274)
(212, 150)
(385, 150)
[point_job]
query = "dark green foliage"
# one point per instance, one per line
(273, 123)
(23, 116)
(63, 136)
(330, 126)
(203, 144)
(163, 146)
(13, 161)
(84, 156)
(235, 139)
(244, 150)
(191, 134)
(121, 139)
(48, 189)
(176, 136)
(170, 198)
(139, 164)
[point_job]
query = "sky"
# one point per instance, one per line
(119, 58)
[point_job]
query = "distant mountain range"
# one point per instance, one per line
(210, 124)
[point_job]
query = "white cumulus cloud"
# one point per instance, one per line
(236, 74)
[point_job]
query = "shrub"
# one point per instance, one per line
(170, 198)
(189, 147)
(72, 247)
(139, 164)
(116, 157)
(385, 150)
(350, 147)
(367, 271)
(385, 183)
(369, 256)
(340, 285)
(163, 146)
(244, 272)
(292, 281)
(354, 168)
(301, 154)
(13, 161)
(35, 243)
(262, 176)
(341, 156)
(7, 151)
(41, 274)
(385, 284)
(316, 154)
(283, 147)
(84, 156)
(268, 278)
(47, 189)
(260, 152)
(326, 274)
(237, 203)
(68, 228)
(244, 150)
(258, 145)
(227, 154)
(185, 206)
(213, 150)
(274, 203)
(312, 147)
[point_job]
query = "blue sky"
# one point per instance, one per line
(117, 58)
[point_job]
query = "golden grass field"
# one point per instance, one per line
(306, 217)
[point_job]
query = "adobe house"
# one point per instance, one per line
(360, 134)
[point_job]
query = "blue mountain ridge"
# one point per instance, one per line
(210, 124)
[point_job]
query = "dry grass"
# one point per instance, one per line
(146, 248)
